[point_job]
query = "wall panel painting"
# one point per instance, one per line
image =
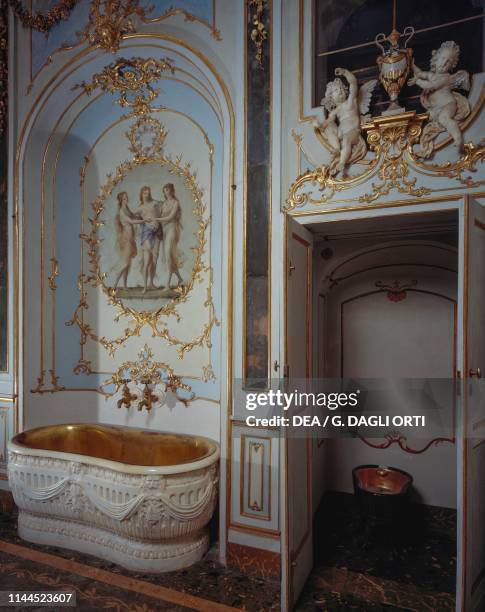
(148, 238)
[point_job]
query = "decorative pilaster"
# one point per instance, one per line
(3, 184)
(258, 191)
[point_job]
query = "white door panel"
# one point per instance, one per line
(299, 366)
(472, 556)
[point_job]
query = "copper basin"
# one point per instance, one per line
(380, 480)
(139, 447)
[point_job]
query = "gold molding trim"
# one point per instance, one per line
(188, 16)
(41, 387)
(455, 170)
(54, 274)
(479, 224)
(256, 444)
(3, 70)
(215, 33)
(258, 531)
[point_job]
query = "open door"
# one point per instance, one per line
(472, 558)
(298, 368)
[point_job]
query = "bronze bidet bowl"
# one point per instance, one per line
(379, 480)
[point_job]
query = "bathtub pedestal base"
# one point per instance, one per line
(135, 555)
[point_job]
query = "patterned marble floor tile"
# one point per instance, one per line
(207, 579)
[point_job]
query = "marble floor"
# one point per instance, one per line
(206, 586)
(416, 574)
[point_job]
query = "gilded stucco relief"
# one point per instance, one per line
(145, 249)
(146, 312)
(400, 151)
(104, 24)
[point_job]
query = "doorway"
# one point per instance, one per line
(383, 303)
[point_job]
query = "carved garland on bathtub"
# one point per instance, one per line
(149, 517)
(76, 494)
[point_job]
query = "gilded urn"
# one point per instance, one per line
(394, 63)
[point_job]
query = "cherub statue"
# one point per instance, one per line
(341, 127)
(445, 106)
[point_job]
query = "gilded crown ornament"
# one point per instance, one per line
(394, 63)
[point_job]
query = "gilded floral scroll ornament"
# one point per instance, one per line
(399, 140)
(43, 22)
(41, 387)
(131, 80)
(110, 20)
(392, 139)
(54, 274)
(259, 32)
(150, 382)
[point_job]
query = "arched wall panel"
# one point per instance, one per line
(79, 331)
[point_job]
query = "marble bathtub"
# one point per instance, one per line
(136, 497)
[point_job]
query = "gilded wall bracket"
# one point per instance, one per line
(146, 383)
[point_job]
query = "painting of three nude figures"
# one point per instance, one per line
(148, 237)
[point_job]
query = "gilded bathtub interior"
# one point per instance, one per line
(117, 443)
